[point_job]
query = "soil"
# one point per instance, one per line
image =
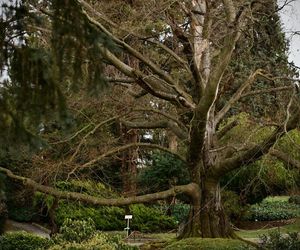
(254, 225)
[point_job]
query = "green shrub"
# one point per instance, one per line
(99, 241)
(180, 212)
(272, 210)
(23, 241)
(277, 241)
(149, 219)
(76, 230)
(295, 199)
(105, 218)
(82, 235)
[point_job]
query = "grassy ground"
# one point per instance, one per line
(294, 227)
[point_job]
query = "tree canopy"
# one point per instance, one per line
(177, 72)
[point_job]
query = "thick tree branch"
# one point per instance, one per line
(158, 124)
(189, 189)
(227, 128)
(146, 82)
(265, 91)
(201, 113)
(286, 158)
(230, 10)
(256, 151)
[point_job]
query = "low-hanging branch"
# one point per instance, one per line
(188, 189)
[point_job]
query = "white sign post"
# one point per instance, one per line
(128, 217)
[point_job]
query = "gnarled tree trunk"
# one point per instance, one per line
(206, 217)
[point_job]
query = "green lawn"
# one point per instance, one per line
(295, 227)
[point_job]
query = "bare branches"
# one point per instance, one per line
(188, 189)
(120, 149)
(237, 95)
(155, 68)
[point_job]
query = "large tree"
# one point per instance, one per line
(187, 65)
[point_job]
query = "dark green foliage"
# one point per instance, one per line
(145, 218)
(268, 211)
(148, 219)
(166, 170)
(77, 42)
(295, 199)
(23, 241)
(41, 67)
(21, 214)
(277, 241)
(105, 218)
(180, 212)
(232, 205)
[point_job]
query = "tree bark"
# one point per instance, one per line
(206, 217)
(129, 166)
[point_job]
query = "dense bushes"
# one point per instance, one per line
(145, 218)
(148, 219)
(105, 218)
(23, 241)
(81, 235)
(277, 241)
(232, 205)
(273, 210)
(73, 235)
(295, 199)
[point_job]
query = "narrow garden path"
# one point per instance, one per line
(11, 225)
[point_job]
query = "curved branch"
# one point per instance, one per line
(158, 124)
(286, 158)
(188, 189)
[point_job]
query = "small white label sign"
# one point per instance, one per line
(128, 217)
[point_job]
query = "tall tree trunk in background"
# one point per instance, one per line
(129, 162)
